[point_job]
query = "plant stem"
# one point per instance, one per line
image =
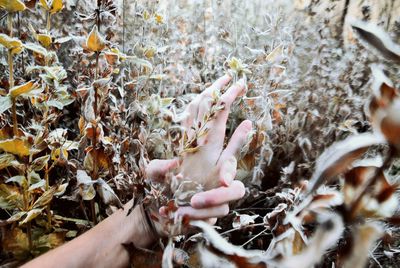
(94, 140)
(11, 76)
(48, 212)
(26, 199)
(48, 21)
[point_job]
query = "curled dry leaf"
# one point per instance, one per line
(85, 184)
(242, 220)
(377, 38)
(107, 193)
(380, 201)
(339, 156)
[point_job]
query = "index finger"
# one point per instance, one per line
(217, 85)
(218, 125)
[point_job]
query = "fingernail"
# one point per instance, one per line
(248, 125)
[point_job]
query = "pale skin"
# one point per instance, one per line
(102, 246)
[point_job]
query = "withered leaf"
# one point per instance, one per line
(326, 236)
(31, 215)
(95, 42)
(365, 236)
(377, 38)
(251, 258)
(339, 156)
(16, 146)
(22, 89)
(12, 5)
(39, 163)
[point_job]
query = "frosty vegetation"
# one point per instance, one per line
(90, 91)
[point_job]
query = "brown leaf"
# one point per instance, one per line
(377, 38)
(339, 156)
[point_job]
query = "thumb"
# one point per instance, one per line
(158, 168)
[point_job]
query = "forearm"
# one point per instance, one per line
(102, 245)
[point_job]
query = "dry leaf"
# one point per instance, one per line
(14, 44)
(12, 5)
(339, 156)
(23, 89)
(95, 42)
(364, 238)
(377, 38)
(326, 236)
(16, 146)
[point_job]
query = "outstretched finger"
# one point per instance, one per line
(218, 196)
(158, 168)
(218, 125)
(206, 97)
(237, 141)
(203, 213)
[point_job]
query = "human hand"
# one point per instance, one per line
(208, 165)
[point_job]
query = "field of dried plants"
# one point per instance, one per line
(91, 91)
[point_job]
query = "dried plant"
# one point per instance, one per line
(90, 91)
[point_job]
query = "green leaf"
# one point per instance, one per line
(33, 177)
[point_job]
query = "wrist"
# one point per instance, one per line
(139, 230)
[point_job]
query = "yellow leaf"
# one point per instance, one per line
(95, 42)
(12, 5)
(22, 89)
(44, 39)
(44, 4)
(56, 6)
(11, 43)
(16, 146)
(55, 154)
